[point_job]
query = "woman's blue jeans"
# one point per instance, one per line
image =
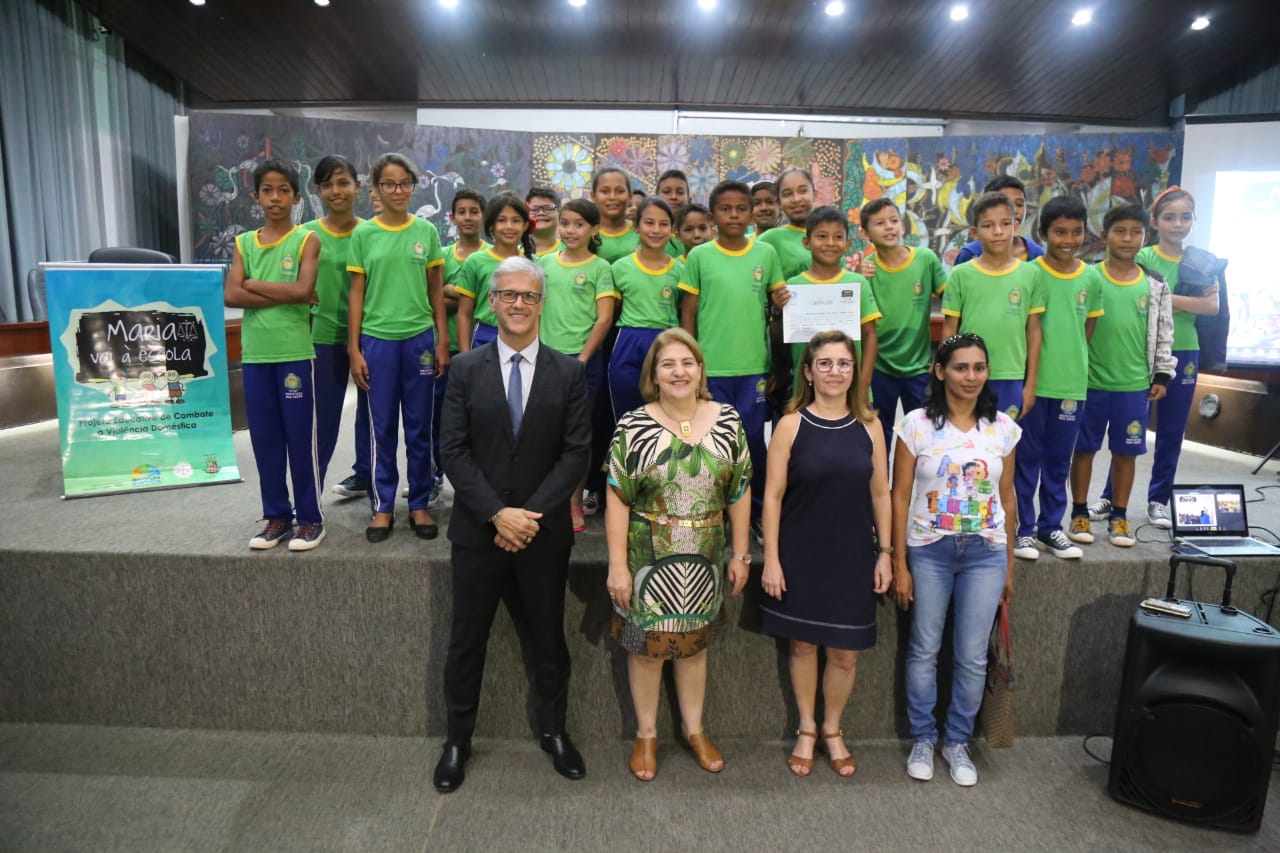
(970, 570)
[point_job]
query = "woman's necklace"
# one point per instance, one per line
(686, 425)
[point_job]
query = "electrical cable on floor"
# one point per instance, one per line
(1266, 531)
(1085, 746)
(1261, 497)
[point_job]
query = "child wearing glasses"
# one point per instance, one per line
(509, 230)
(579, 309)
(397, 339)
(543, 203)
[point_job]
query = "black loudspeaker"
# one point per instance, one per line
(1196, 721)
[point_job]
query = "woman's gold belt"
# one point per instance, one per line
(710, 520)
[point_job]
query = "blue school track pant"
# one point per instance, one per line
(482, 334)
(625, 367)
(279, 399)
(333, 369)
(746, 394)
(401, 384)
(1049, 433)
(1008, 395)
(437, 409)
(1172, 414)
(886, 391)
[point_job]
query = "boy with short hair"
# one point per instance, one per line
(826, 238)
(633, 201)
(693, 227)
(1000, 298)
(273, 278)
(1073, 304)
(727, 284)
(764, 207)
(1022, 248)
(544, 204)
(904, 281)
(1130, 364)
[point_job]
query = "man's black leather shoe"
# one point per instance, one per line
(451, 768)
(564, 756)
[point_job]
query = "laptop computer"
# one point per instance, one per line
(1212, 520)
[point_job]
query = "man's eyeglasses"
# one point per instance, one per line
(543, 208)
(390, 187)
(827, 365)
(509, 297)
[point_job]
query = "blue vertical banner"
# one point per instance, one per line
(140, 367)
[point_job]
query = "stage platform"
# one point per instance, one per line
(150, 610)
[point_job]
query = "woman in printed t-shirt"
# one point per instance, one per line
(952, 542)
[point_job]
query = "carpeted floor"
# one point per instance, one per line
(68, 788)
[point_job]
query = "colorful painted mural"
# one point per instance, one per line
(933, 179)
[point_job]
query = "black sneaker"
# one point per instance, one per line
(352, 487)
(309, 536)
(276, 531)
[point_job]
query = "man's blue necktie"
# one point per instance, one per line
(515, 393)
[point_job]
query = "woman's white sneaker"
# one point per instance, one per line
(962, 770)
(920, 762)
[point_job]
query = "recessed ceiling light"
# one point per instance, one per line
(959, 12)
(1200, 23)
(835, 8)
(449, 4)
(322, 3)
(1082, 17)
(197, 2)
(706, 5)
(578, 3)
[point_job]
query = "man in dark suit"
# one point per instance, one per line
(515, 439)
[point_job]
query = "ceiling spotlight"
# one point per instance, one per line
(449, 4)
(835, 8)
(959, 12)
(1200, 23)
(322, 3)
(577, 4)
(1082, 17)
(197, 2)
(706, 5)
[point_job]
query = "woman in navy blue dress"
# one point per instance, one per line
(826, 505)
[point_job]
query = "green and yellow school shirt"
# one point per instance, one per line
(648, 296)
(395, 260)
(281, 332)
(573, 288)
(452, 275)
(618, 244)
(902, 294)
(996, 306)
(732, 289)
(1185, 336)
(1118, 350)
(867, 307)
(474, 281)
(553, 251)
(333, 284)
(1069, 301)
(788, 241)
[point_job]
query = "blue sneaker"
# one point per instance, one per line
(352, 487)
(308, 537)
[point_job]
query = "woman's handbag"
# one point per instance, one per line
(997, 698)
(678, 593)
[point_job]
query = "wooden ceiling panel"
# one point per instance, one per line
(1010, 59)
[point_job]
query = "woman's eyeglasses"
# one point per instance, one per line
(827, 365)
(389, 187)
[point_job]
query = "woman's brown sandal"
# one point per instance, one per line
(704, 752)
(838, 764)
(644, 758)
(796, 763)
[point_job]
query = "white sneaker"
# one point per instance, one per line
(1100, 510)
(920, 762)
(962, 770)
(1025, 548)
(1060, 546)
(1159, 516)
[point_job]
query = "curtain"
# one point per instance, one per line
(86, 145)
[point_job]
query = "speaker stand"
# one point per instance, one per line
(1267, 458)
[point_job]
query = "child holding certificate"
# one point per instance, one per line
(826, 237)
